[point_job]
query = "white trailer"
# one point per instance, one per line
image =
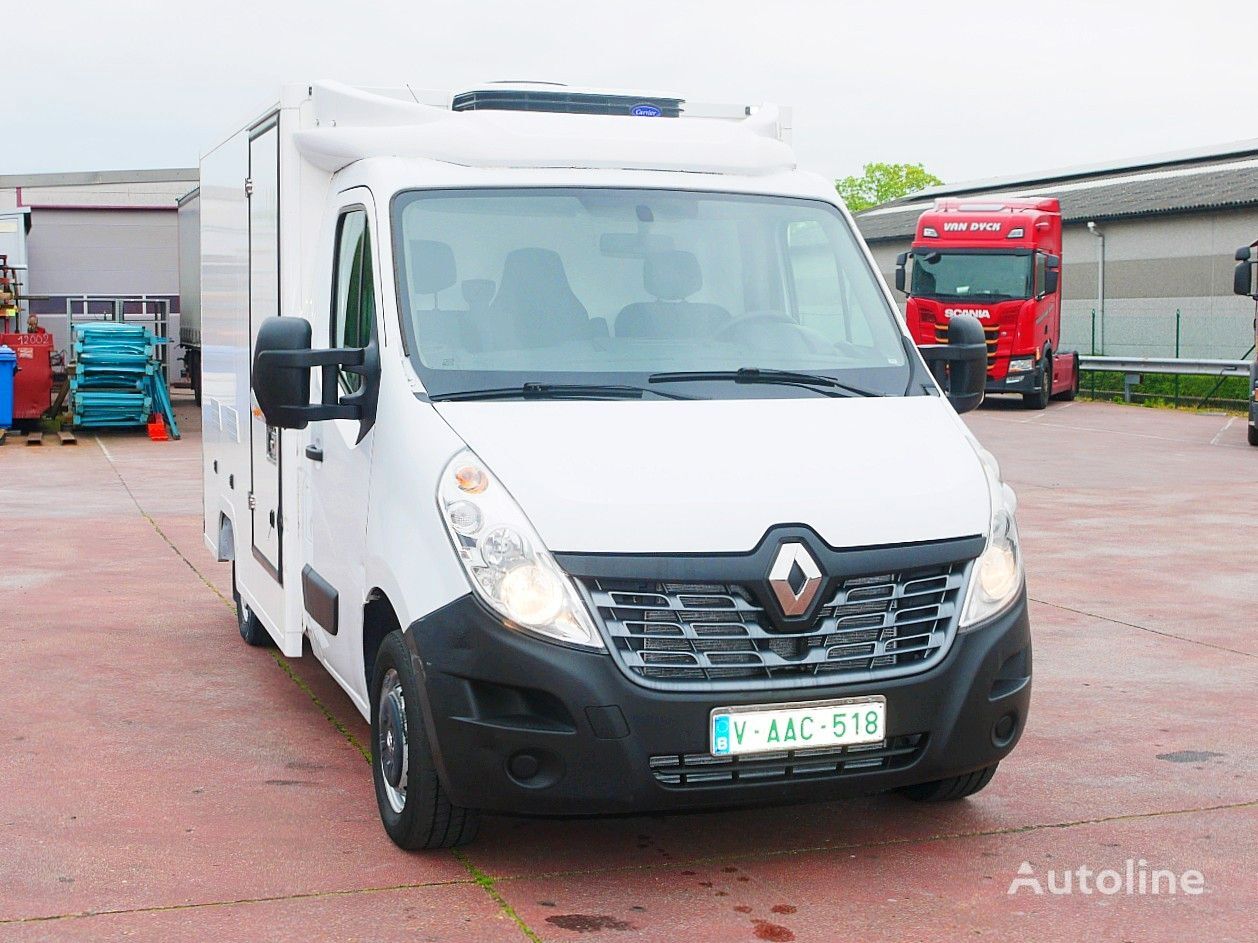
(579, 438)
(189, 213)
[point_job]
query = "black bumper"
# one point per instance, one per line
(520, 725)
(1027, 382)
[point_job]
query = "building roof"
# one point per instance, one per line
(96, 177)
(1186, 181)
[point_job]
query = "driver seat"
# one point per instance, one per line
(671, 277)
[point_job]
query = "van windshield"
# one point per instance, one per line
(983, 276)
(585, 287)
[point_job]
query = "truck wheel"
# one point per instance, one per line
(251, 628)
(1039, 399)
(1253, 434)
(413, 807)
(1067, 396)
(952, 788)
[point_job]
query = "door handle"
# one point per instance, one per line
(314, 453)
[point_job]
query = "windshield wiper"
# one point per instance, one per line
(827, 386)
(555, 391)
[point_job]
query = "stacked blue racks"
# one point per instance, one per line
(117, 378)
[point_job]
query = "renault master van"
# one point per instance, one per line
(577, 436)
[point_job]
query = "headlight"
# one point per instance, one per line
(1021, 364)
(506, 562)
(997, 575)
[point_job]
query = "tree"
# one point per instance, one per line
(883, 182)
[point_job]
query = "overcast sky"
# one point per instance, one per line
(970, 89)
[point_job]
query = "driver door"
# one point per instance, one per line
(338, 463)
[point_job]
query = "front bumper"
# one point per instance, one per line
(1024, 382)
(521, 725)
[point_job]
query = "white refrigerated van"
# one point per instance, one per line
(579, 437)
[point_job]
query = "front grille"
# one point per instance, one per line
(678, 634)
(990, 331)
(703, 769)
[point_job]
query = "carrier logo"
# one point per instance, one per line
(983, 314)
(794, 578)
(646, 111)
(971, 227)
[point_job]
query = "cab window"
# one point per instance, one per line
(353, 288)
(1041, 266)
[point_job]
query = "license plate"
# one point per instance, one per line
(739, 731)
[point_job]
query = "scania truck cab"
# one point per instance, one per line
(999, 262)
(578, 437)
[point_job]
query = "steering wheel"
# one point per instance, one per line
(736, 326)
(813, 342)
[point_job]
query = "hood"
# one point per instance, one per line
(665, 476)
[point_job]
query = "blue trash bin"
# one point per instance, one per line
(8, 365)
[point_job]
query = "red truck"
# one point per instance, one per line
(998, 261)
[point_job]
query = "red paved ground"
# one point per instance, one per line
(162, 781)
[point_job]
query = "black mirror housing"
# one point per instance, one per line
(282, 360)
(901, 260)
(1243, 276)
(960, 365)
(1243, 279)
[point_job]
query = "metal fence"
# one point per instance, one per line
(1164, 357)
(1173, 332)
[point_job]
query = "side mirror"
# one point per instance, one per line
(1052, 274)
(1243, 277)
(960, 365)
(282, 359)
(901, 260)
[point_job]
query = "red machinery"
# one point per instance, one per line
(998, 261)
(32, 383)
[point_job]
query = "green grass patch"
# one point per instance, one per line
(1154, 389)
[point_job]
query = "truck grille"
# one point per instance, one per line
(702, 769)
(990, 331)
(678, 634)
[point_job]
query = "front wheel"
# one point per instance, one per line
(1039, 399)
(1253, 434)
(952, 788)
(251, 628)
(413, 807)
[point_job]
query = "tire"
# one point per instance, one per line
(1253, 434)
(1068, 396)
(952, 788)
(1039, 399)
(251, 628)
(414, 808)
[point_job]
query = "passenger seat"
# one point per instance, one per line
(535, 305)
(671, 277)
(432, 271)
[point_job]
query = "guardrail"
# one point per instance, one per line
(1133, 367)
(1168, 365)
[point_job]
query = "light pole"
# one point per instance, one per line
(1100, 276)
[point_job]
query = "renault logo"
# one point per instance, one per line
(794, 578)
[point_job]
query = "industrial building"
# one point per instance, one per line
(1164, 232)
(91, 244)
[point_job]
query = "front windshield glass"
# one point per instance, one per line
(499, 288)
(982, 276)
